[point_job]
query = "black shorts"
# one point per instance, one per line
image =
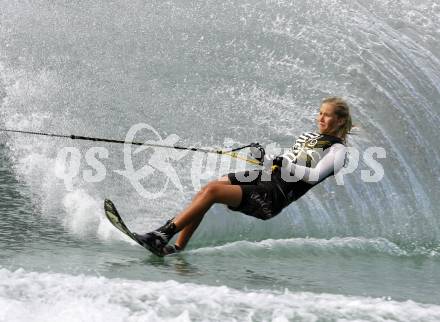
(259, 198)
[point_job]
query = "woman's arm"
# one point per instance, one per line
(332, 161)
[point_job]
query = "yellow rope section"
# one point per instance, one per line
(237, 156)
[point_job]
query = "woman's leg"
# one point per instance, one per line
(186, 233)
(216, 191)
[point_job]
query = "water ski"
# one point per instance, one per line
(113, 216)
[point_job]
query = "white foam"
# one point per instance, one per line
(58, 297)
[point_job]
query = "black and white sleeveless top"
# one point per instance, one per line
(313, 158)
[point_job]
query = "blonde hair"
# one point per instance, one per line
(342, 111)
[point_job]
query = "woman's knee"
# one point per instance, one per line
(214, 190)
(213, 184)
(206, 189)
(211, 190)
(226, 194)
(224, 180)
(215, 193)
(197, 194)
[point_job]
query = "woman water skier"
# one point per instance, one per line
(264, 193)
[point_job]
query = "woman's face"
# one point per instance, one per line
(328, 121)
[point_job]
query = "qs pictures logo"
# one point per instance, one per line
(149, 164)
(160, 161)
